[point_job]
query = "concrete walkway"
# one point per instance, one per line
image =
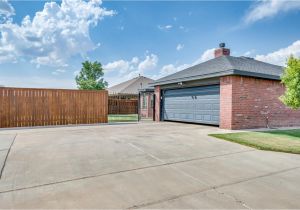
(146, 165)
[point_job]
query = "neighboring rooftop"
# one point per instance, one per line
(131, 86)
(223, 64)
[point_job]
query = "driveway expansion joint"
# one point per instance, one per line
(8, 151)
(123, 171)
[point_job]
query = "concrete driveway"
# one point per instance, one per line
(146, 165)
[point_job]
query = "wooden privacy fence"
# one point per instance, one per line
(41, 107)
(122, 106)
(123, 96)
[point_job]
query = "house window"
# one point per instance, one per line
(144, 101)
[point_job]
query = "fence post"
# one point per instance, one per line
(138, 107)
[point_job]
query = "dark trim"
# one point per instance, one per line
(192, 78)
(195, 123)
(150, 89)
(139, 107)
(161, 99)
(255, 74)
(192, 84)
(217, 74)
(154, 104)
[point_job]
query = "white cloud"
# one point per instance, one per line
(249, 52)
(171, 68)
(179, 47)
(269, 8)
(54, 34)
(279, 57)
(122, 70)
(58, 71)
(149, 63)
(120, 65)
(206, 55)
(6, 10)
(165, 27)
(133, 67)
(135, 60)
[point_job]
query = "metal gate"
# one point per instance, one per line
(197, 104)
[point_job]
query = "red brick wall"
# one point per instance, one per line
(157, 103)
(248, 102)
(226, 102)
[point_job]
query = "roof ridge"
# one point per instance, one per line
(133, 80)
(127, 83)
(229, 61)
(266, 63)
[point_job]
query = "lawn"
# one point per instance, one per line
(123, 118)
(277, 140)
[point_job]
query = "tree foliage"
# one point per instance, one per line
(291, 80)
(91, 76)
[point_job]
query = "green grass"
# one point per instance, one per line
(277, 140)
(122, 118)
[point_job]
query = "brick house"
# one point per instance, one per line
(137, 89)
(231, 92)
(130, 88)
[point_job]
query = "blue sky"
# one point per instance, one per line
(43, 44)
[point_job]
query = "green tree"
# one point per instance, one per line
(291, 80)
(91, 76)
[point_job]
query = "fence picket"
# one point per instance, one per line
(40, 107)
(122, 106)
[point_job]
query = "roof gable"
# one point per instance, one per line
(131, 86)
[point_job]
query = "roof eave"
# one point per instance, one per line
(217, 74)
(191, 78)
(258, 75)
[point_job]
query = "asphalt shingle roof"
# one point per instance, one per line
(131, 86)
(224, 65)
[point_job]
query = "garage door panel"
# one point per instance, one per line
(187, 116)
(200, 104)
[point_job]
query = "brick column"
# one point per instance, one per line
(157, 103)
(226, 87)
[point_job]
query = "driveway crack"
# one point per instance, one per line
(238, 201)
(215, 189)
(5, 160)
